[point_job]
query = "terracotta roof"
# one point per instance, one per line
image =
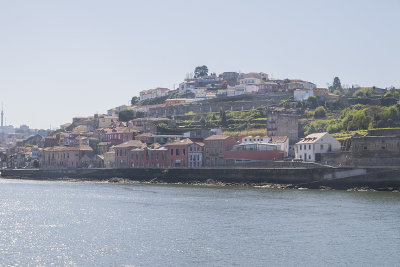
(67, 148)
(131, 143)
(104, 143)
(200, 143)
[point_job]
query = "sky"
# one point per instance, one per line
(65, 58)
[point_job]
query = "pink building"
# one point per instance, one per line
(215, 147)
(123, 155)
(59, 157)
(135, 154)
(120, 135)
(154, 156)
(178, 153)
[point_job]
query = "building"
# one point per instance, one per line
(104, 121)
(120, 135)
(302, 94)
(178, 152)
(59, 157)
(230, 77)
(215, 147)
(149, 138)
(282, 123)
(109, 159)
(154, 156)
(257, 75)
(313, 145)
(280, 142)
(377, 143)
(123, 156)
(320, 92)
(153, 93)
(300, 84)
(195, 154)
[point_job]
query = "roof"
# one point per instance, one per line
(131, 143)
(217, 137)
(152, 119)
(104, 143)
(312, 138)
(279, 138)
(67, 148)
(185, 141)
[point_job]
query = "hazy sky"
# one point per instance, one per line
(60, 59)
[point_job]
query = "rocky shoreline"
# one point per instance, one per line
(219, 183)
(213, 183)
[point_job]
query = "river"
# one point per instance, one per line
(45, 223)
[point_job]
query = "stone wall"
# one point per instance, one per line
(215, 105)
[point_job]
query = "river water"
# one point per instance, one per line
(91, 224)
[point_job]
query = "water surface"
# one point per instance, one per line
(89, 224)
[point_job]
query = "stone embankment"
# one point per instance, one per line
(300, 178)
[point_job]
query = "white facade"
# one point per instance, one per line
(200, 93)
(186, 86)
(281, 142)
(153, 93)
(195, 156)
(299, 84)
(302, 94)
(250, 81)
(310, 147)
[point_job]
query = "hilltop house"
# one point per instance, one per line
(153, 93)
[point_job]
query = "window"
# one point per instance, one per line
(309, 156)
(184, 151)
(309, 146)
(177, 152)
(321, 147)
(172, 152)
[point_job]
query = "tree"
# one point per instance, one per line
(126, 115)
(134, 100)
(336, 85)
(312, 102)
(202, 122)
(319, 113)
(222, 118)
(200, 71)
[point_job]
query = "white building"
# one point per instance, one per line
(313, 145)
(195, 155)
(300, 84)
(302, 94)
(250, 81)
(153, 93)
(281, 142)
